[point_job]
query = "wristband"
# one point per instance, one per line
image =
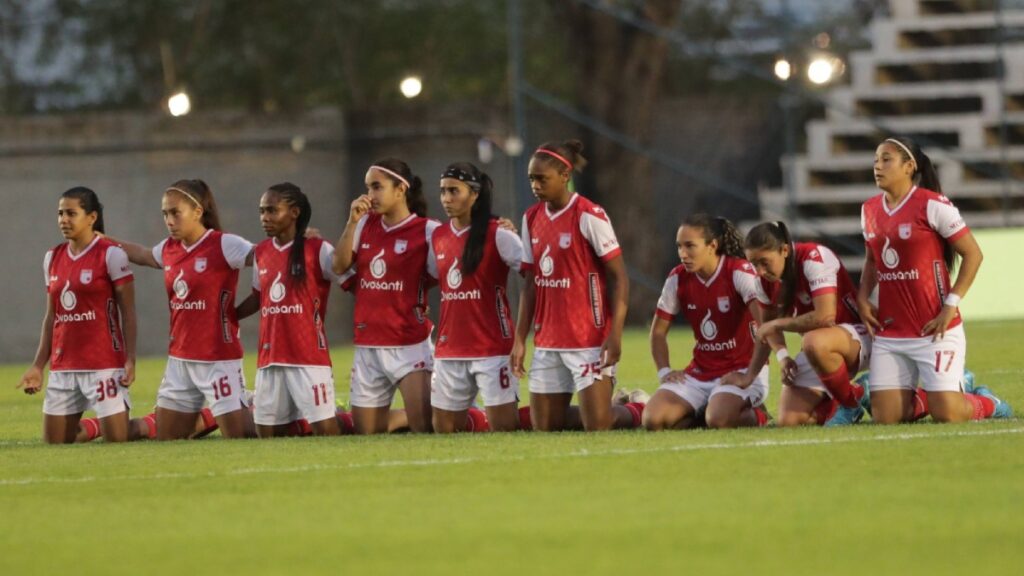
(952, 299)
(782, 354)
(662, 372)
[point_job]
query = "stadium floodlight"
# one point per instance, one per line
(823, 69)
(513, 146)
(783, 69)
(411, 86)
(179, 104)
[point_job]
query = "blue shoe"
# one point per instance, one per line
(845, 416)
(1002, 410)
(865, 400)
(968, 381)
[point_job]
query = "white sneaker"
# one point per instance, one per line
(620, 397)
(639, 396)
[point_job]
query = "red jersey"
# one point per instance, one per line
(819, 271)
(86, 322)
(292, 311)
(201, 280)
(390, 281)
(567, 251)
(475, 319)
(718, 314)
(907, 243)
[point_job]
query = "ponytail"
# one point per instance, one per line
(90, 204)
(721, 230)
(293, 196)
(773, 236)
(480, 215)
(414, 197)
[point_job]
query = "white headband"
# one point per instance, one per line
(393, 173)
(905, 149)
(187, 195)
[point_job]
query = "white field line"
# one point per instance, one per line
(304, 468)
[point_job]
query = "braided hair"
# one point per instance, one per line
(293, 196)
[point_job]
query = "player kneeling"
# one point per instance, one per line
(471, 256)
(291, 282)
(718, 293)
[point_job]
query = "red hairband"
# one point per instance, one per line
(554, 155)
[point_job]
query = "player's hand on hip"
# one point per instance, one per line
(869, 315)
(32, 380)
(735, 378)
(936, 327)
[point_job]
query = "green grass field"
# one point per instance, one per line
(917, 499)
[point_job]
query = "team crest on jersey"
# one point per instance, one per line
(400, 246)
(905, 231)
(564, 240)
(200, 265)
(723, 304)
(86, 276)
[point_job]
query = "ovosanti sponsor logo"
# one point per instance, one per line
(378, 267)
(277, 289)
(708, 328)
(890, 257)
(68, 300)
(454, 275)
(180, 286)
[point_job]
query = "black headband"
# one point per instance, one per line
(463, 176)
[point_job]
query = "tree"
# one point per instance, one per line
(619, 73)
(274, 55)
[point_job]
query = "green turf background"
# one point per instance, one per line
(918, 499)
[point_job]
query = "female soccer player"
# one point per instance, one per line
(574, 297)
(291, 282)
(472, 259)
(719, 294)
(912, 232)
(812, 294)
(382, 256)
(88, 333)
(200, 265)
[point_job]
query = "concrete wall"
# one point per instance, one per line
(129, 159)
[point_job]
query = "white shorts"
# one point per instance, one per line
(899, 363)
(697, 393)
(377, 371)
(455, 383)
(286, 393)
(188, 384)
(566, 371)
(70, 393)
(806, 377)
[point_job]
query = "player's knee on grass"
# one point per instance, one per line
(888, 408)
(793, 418)
(949, 407)
(724, 413)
